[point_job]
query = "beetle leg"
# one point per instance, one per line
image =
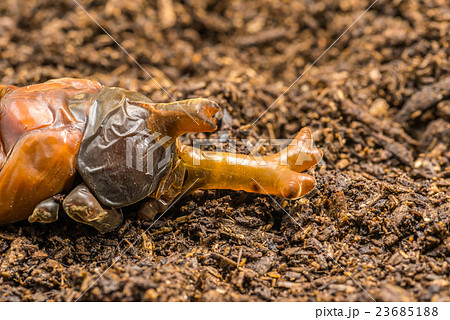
(45, 212)
(152, 207)
(168, 190)
(82, 206)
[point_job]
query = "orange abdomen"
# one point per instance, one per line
(39, 140)
(37, 106)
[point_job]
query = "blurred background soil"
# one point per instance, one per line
(378, 103)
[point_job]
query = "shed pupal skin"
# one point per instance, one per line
(68, 130)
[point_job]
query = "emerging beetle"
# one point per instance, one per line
(68, 131)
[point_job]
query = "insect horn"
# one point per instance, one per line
(176, 118)
(259, 174)
(300, 154)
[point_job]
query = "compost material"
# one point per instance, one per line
(378, 102)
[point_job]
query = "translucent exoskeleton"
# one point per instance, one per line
(92, 150)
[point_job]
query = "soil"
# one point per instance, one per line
(378, 103)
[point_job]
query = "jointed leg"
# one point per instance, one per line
(150, 208)
(168, 190)
(46, 211)
(82, 206)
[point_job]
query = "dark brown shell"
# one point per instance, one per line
(119, 159)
